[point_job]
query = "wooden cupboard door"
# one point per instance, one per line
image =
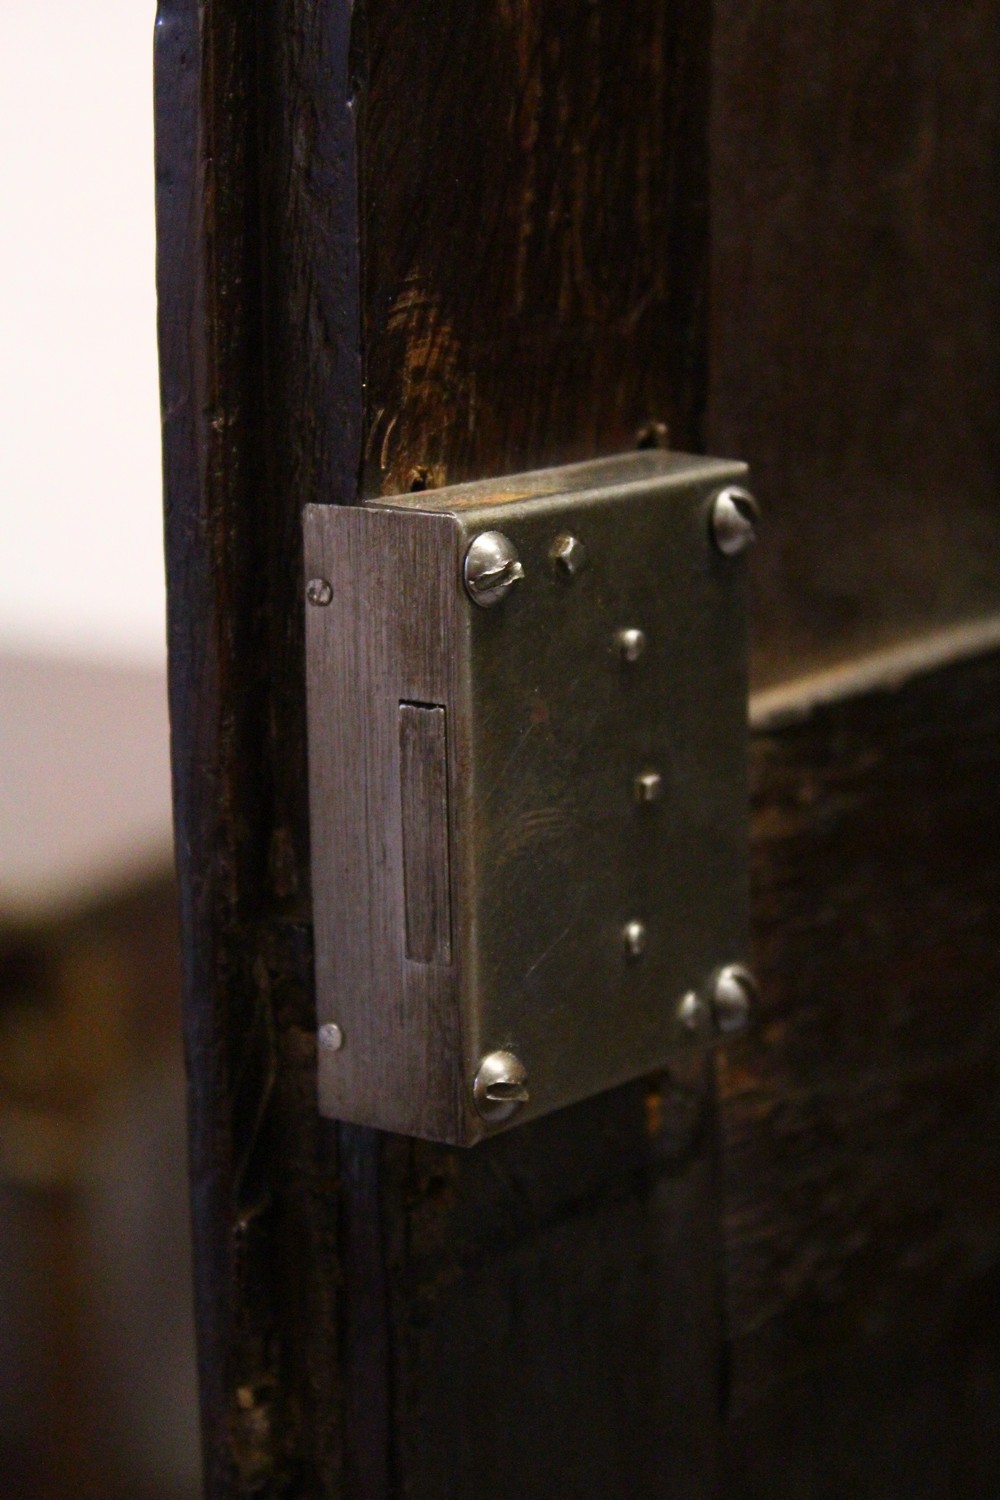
(401, 244)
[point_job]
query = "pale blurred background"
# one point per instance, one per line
(97, 1393)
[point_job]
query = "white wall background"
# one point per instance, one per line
(84, 789)
(84, 782)
(81, 566)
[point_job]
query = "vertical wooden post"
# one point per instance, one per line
(398, 244)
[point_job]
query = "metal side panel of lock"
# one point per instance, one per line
(527, 747)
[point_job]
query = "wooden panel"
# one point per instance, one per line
(553, 1332)
(243, 87)
(911, 1411)
(861, 1126)
(378, 1317)
(856, 313)
(534, 187)
(423, 777)
(532, 227)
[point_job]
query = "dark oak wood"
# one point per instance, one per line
(534, 180)
(550, 1298)
(261, 412)
(855, 351)
(861, 1125)
(496, 213)
(532, 236)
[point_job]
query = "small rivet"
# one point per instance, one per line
(331, 1038)
(692, 1011)
(734, 999)
(631, 644)
(634, 939)
(500, 1087)
(653, 435)
(648, 786)
(491, 568)
(319, 591)
(735, 517)
(568, 555)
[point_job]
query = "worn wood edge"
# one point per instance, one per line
(242, 309)
(886, 671)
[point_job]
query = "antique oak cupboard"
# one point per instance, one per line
(403, 242)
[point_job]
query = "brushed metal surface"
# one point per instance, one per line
(549, 724)
(373, 647)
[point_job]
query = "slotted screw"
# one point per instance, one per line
(500, 1088)
(491, 569)
(735, 517)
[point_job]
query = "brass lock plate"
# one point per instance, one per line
(527, 747)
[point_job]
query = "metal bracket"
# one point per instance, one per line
(527, 744)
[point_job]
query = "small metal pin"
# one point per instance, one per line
(734, 999)
(653, 435)
(692, 1011)
(735, 517)
(634, 940)
(331, 1038)
(631, 644)
(500, 1087)
(648, 786)
(568, 554)
(491, 568)
(319, 591)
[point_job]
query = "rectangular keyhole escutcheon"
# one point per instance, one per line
(423, 778)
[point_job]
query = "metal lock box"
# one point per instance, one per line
(527, 751)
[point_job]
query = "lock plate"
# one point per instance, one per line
(528, 817)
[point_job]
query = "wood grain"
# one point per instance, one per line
(549, 1298)
(534, 186)
(861, 1126)
(534, 180)
(524, 188)
(259, 330)
(855, 350)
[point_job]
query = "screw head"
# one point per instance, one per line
(491, 568)
(500, 1087)
(734, 999)
(648, 786)
(631, 644)
(331, 1038)
(692, 1011)
(634, 940)
(735, 517)
(568, 555)
(319, 591)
